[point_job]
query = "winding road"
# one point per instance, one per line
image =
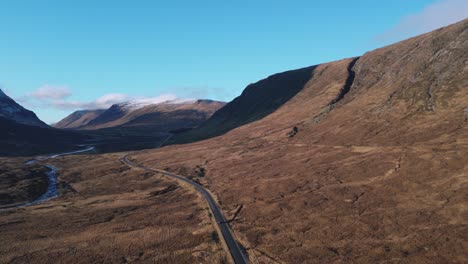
(238, 255)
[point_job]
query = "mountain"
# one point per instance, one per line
(79, 119)
(361, 159)
(256, 101)
(174, 114)
(25, 140)
(23, 134)
(11, 110)
(412, 79)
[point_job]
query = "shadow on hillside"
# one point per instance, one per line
(18, 140)
(257, 101)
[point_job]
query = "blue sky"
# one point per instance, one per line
(59, 56)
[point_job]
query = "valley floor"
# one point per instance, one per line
(293, 201)
(110, 213)
(324, 204)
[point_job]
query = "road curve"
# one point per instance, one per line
(237, 253)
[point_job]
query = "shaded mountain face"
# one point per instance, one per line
(417, 79)
(256, 101)
(25, 140)
(368, 160)
(23, 134)
(167, 115)
(114, 113)
(79, 119)
(11, 110)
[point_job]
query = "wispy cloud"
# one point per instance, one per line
(51, 92)
(433, 16)
(58, 97)
(106, 101)
(102, 102)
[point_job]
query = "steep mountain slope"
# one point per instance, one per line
(367, 161)
(79, 119)
(23, 134)
(114, 113)
(166, 115)
(256, 101)
(11, 110)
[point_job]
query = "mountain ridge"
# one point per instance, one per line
(10, 109)
(367, 161)
(139, 113)
(78, 119)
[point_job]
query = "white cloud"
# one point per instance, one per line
(51, 92)
(110, 99)
(433, 16)
(107, 101)
(57, 97)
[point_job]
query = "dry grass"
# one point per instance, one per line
(20, 183)
(116, 215)
(335, 203)
(379, 176)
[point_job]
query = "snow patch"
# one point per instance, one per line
(137, 104)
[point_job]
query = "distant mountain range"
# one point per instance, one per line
(130, 125)
(174, 114)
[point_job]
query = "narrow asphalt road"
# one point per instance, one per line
(235, 249)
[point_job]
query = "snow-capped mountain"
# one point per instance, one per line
(154, 112)
(11, 110)
(137, 104)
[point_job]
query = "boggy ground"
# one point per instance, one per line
(110, 213)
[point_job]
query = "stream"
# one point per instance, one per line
(52, 191)
(51, 187)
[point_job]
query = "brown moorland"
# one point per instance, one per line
(19, 183)
(110, 213)
(363, 163)
(366, 163)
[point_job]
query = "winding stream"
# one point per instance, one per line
(51, 188)
(52, 191)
